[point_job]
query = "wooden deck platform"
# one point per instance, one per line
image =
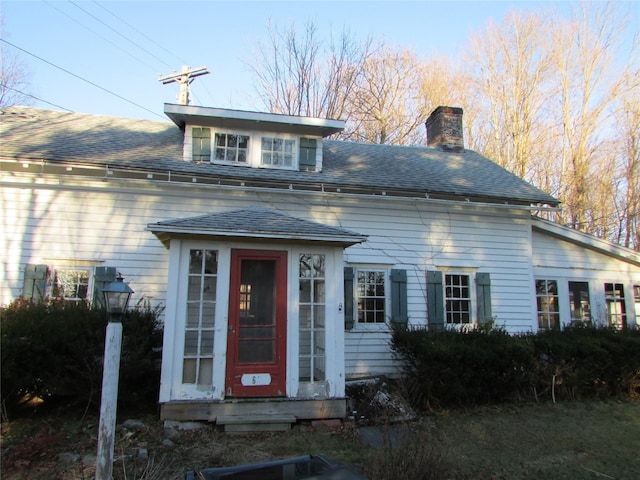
(248, 415)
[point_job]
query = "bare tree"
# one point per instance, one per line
(508, 83)
(584, 52)
(296, 74)
(386, 104)
(629, 218)
(14, 77)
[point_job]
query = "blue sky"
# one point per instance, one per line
(123, 47)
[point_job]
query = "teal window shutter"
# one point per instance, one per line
(435, 299)
(307, 157)
(399, 315)
(348, 298)
(201, 144)
(102, 276)
(35, 282)
(483, 296)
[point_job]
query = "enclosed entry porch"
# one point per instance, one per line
(254, 324)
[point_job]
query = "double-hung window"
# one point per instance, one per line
(579, 303)
(458, 299)
(547, 302)
(457, 292)
(616, 310)
(375, 296)
(70, 281)
(71, 284)
(371, 296)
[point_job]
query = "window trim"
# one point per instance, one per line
(377, 326)
(227, 133)
(314, 327)
(615, 299)
(572, 320)
(547, 312)
(295, 151)
(473, 303)
(38, 282)
(254, 149)
(89, 285)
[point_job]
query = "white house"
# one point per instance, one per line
(281, 257)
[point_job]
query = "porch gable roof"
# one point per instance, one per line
(254, 222)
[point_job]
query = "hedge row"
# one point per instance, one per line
(54, 350)
(446, 367)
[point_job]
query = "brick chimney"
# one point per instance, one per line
(444, 129)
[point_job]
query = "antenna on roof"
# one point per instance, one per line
(184, 79)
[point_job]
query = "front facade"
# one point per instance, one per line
(281, 258)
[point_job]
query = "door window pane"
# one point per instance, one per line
(257, 332)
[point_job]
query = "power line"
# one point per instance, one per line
(33, 96)
(117, 32)
(184, 62)
(100, 36)
(81, 78)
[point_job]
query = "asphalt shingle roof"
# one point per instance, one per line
(30, 133)
(256, 220)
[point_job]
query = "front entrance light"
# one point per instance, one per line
(116, 298)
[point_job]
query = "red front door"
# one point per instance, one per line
(257, 331)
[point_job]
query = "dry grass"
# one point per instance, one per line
(591, 440)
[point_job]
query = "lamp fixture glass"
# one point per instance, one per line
(116, 297)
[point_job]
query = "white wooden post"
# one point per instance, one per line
(109, 401)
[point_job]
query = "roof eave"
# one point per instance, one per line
(183, 115)
(165, 233)
(585, 240)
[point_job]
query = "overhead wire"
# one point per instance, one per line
(141, 33)
(51, 4)
(81, 78)
(112, 44)
(184, 62)
(34, 97)
(118, 33)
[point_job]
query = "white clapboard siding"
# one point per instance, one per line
(105, 222)
(426, 237)
(563, 261)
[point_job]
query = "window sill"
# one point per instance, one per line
(370, 328)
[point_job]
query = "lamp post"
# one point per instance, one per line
(116, 300)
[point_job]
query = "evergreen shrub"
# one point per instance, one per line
(446, 368)
(53, 350)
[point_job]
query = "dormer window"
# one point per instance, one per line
(231, 147)
(252, 139)
(253, 149)
(277, 152)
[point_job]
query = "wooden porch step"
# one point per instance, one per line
(210, 411)
(255, 423)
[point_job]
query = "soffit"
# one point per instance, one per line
(222, 118)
